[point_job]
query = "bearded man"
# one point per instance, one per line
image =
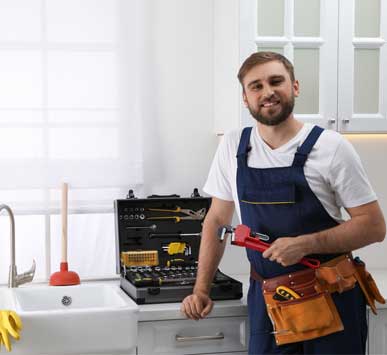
(289, 180)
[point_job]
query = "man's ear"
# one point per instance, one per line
(296, 88)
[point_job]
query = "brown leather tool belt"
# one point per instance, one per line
(300, 304)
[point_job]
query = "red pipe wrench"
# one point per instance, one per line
(242, 236)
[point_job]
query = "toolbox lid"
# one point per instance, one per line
(159, 230)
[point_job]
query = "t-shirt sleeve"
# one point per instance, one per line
(219, 178)
(348, 178)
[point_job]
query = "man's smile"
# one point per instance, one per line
(272, 103)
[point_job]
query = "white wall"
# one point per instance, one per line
(177, 104)
(373, 153)
(178, 113)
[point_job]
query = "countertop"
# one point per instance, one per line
(167, 311)
(229, 308)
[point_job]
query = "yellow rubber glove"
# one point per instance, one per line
(10, 324)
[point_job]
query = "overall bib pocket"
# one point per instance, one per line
(270, 195)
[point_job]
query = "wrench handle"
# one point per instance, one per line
(310, 262)
(256, 244)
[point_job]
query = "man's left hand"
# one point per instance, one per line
(286, 251)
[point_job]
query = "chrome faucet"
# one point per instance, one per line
(14, 279)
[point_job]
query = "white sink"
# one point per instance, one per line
(69, 298)
(84, 319)
(7, 299)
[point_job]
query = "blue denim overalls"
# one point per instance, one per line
(279, 202)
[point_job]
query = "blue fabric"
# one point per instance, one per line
(279, 202)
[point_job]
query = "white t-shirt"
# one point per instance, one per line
(333, 169)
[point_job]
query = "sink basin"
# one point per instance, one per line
(68, 298)
(7, 299)
(83, 319)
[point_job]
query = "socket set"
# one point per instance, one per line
(157, 248)
(161, 276)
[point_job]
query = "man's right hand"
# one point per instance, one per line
(196, 306)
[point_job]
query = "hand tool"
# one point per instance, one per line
(173, 235)
(64, 277)
(176, 218)
(190, 214)
(176, 248)
(226, 230)
(283, 293)
(152, 227)
(178, 209)
(242, 236)
(180, 262)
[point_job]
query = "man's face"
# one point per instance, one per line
(269, 93)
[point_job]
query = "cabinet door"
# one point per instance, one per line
(377, 333)
(210, 335)
(362, 70)
(306, 32)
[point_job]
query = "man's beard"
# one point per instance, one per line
(286, 110)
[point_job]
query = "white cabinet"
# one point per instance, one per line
(207, 336)
(377, 333)
(338, 49)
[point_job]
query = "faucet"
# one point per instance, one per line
(14, 279)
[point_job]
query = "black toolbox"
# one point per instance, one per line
(157, 248)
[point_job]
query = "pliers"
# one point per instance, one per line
(190, 214)
(243, 236)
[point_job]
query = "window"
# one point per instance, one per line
(68, 112)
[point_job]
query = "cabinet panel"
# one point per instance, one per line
(377, 330)
(209, 335)
(351, 41)
(361, 67)
(318, 97)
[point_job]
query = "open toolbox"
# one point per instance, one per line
(157, 248)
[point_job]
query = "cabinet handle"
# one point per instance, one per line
(218, 336)
(345, 120)
(331, 120)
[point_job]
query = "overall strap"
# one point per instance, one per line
(244, 147)
(306, 147)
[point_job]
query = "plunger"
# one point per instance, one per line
(64, 277)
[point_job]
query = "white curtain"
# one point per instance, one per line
(69, 111)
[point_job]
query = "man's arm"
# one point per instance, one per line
(198, 305)
(365, 227)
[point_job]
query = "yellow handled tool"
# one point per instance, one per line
(10, 324)
(176, 218)
(176, 248)
(286, 293)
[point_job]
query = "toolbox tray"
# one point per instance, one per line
(172, 279)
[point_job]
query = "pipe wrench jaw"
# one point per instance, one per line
(223, 231)
(241, 232)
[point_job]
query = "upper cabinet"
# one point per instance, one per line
(337, 48)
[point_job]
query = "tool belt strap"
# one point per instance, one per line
(254, 275)
(336, 275)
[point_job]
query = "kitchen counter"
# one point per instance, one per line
(166, 311)
(229, 308)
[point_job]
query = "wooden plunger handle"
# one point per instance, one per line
(64, 222)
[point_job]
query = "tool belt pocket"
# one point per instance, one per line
(313, 314)
(337, 275)
(368, 285)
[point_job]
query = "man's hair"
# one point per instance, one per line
(262, 58)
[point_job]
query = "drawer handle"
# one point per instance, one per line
(218, 336)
